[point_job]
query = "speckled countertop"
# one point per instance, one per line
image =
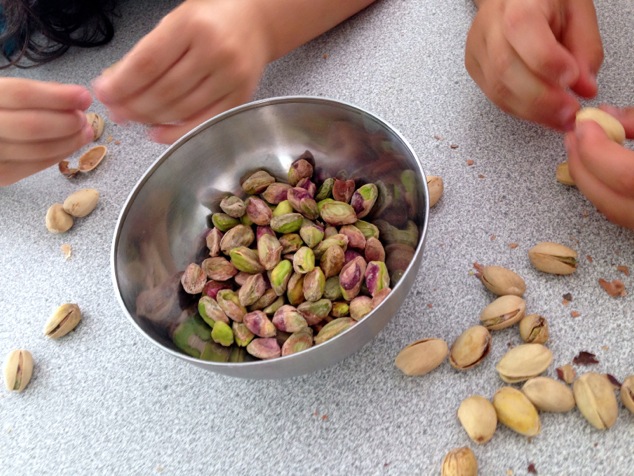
(106, 401)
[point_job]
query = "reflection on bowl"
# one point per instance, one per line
(162, 227)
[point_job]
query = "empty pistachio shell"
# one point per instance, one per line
(470, 348)
(501, 281)
(81, 203)
(459, 462)
(504, 312)
(436, 188)
(549, 395)
(478, 418)
(534, 329)
(57, 220)
(523, 362)
(553, 258)
(612, 127)
(18, 368)
(627, 393)
(596, 400)
(422, 356)
(516, 411)
(62, 321)
(97, 123)
(90, 159)
(563, 175)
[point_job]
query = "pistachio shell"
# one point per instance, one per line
(523, 362)
(612, 127)
(422, 356)
(553, 258)
(436, 187)
(627, 393)
(478, 418)
(81, 203)
(563, 175)
(470, 348)
(595, 399)
(90, 159)
(97, 123)
(504, 312)
(501, 281)
(57, 220)
(549, 395)
(62, 321)
(534, 329)
(18, 369)
(459, 462)
(516, 411)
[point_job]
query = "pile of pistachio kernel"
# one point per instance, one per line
(291, 265)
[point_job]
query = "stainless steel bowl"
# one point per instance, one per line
(162, 225)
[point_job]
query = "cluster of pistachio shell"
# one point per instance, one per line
(291, 264)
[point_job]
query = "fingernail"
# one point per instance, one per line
(567, 117)
(613, 111)
(85, 99)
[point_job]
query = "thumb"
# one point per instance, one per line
(583, 39)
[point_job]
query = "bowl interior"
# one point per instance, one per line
(163, 224)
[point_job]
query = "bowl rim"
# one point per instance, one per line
(212, 365)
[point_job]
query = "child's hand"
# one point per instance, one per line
(602, 169)
(203, 58)
(41, 124)
(525, 55)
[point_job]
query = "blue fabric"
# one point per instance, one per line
(8, 47)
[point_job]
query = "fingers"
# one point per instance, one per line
(39, 125)
(11, 172)
(147, 62)
(624, 115)
(607, 161)
(583, 39)
(45, 150)
(167, 134)
(19, 93)
(529, 32)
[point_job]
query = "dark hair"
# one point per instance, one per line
(38, 31)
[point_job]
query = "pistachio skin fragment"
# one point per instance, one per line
(549, 395)
(18, 369)
(553, 258)
(65, 318)
(627, 393)
(422, 356)
(459, 462)
(504, 312)
(515, 411)
(596, 400)
(478, 418)
(470, 348)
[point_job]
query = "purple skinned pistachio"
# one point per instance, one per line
(258, 211)
(374, 250)
(295, 289)
(342, 190)
(212, 287)
(288, 319)
(268, 298)
(259, 323)
(338, 213)
(351, 278)
(233, 206)
(363, 199)
(210, 311)
(275, 193)
(263, 230)
(302, 202)
(264, 348)
(356, 239)
(315, 311)
(311, 233)
(253, 289)
(230, 304)
(350, 255)
(334, 240)
(257, 182)
(314, 284)
(298, 341)
(193, 279)
(212, 240)
(333, 329)
(301, 168)
(269, 251)
(304, 260)
(290, 242)
(332, 260)
(245, 259)
(368, 229)
(307, 185)
(239, 235)
(376, 276)
(219, 268)
(360, 307)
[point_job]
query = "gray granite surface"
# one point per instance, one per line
(104, 400)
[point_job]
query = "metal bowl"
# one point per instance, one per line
(162, 226)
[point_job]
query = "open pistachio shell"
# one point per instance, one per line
(549, 395)
(627, 393)
(97, 123)
(553, 258)
(90, 159)
(501, 281)
(422, 356)
(504, 312)
(459, 462)
(596, 400)
(470, 348)
(523, 362)
(534, 329)
(478, 418)
(611, 125)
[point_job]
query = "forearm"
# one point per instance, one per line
(288, 24)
